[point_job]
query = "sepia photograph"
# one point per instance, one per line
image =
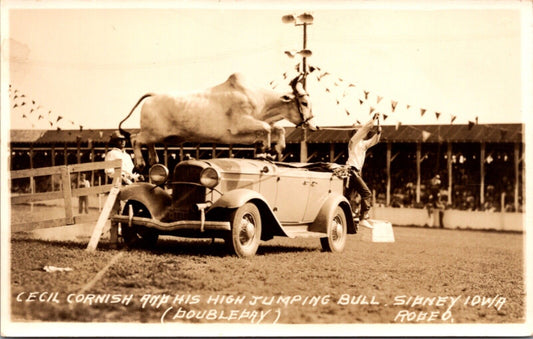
(254, 168)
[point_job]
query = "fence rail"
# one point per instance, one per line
(66, 193)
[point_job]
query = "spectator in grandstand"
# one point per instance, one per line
(361, 141)
(83, 200)
(117, 142)
(434, 191)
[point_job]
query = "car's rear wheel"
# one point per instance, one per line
(336, 231)
(138, 236)
(245, 231)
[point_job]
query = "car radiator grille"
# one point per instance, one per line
(186, 193)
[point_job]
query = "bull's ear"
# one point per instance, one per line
(287, 98)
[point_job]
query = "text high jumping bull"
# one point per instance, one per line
(229, 113)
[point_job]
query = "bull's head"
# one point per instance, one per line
(300, 98)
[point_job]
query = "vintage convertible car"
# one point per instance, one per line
(242, 201)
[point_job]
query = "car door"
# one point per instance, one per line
(291, 196)
(319, 189)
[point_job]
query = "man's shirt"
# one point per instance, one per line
(357, 146)
(127, 163)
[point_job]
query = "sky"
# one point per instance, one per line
(86, 65)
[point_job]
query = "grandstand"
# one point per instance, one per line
(481, 166)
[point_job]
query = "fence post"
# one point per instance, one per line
(106, 211)
(67, 194)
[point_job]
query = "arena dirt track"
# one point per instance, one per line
(367, 283)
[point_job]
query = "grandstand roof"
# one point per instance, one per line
(415, 133)
(404, 133)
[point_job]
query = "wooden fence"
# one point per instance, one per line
(66, 193)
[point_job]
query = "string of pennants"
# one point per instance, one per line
(364, 97)
(30, 110)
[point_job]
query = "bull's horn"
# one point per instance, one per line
(299, 88)
(295, 81)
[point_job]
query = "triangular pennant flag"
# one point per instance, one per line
(358, 122)
(425, 135)
(453, 118)
(398, 125)
(379, 99)
(385, 116)
(366, 95)
(422, 112)
(437, 115)
(393, 104)
(371, 110)
(360, 102)
(59, 118)
(470, 125)
(347, 112)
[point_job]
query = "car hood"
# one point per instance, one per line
(240, 165)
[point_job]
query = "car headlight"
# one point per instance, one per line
(209, 177)
(158, 174)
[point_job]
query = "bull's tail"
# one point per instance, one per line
(123, 132)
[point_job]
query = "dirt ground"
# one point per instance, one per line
(426, 276)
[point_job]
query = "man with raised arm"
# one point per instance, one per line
(360, 142)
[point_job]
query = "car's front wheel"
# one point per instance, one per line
(245, 231)
(337, 230)
(135, 235)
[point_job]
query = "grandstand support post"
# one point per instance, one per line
(65, 154)
(92, 160)
(303, 147)
(32, 179)
(389, 148)
(331, 152)
(482, 174)
(78, 150)
(418, 152)
(165, 156)
(516, 174)
(53, 163)
(450, 172)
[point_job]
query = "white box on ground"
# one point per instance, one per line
(376, 231)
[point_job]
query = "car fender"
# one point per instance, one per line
(151, 196)
(237, 198)
(326, 213)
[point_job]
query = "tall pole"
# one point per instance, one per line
(304, 20)
(303, 144)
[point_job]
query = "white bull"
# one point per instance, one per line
(229, 113)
